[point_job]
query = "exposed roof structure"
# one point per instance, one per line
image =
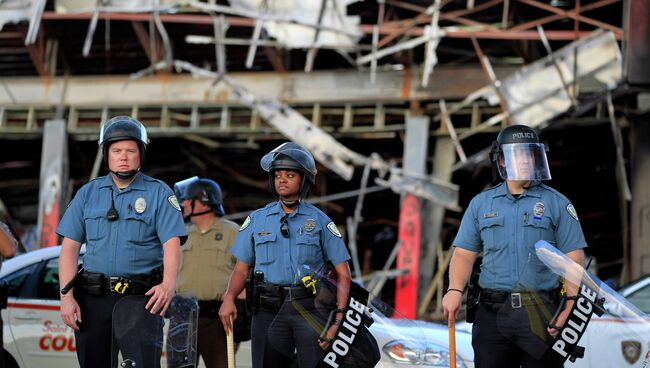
(353, 69)
(74, 37)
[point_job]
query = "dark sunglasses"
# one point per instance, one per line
(284, 227)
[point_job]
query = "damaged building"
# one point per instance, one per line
(399, 102)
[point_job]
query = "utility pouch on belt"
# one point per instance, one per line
(93, 283)
(270, 303)
(156, 276)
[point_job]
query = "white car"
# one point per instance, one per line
(34, 335)
(610, 341)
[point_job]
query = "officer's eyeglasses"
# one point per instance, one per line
(284, 227)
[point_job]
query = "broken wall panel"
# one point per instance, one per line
(307, 12)
(16, 11)
(86, 6)
(542, 90)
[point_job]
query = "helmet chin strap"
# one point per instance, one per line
(192, 214)
(290, 204)
(198, 214)
(125, 175)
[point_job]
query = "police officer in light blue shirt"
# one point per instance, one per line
(287, 240)
(282, 259)
(504, 223)
(132, 226)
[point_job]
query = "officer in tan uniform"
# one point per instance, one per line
(206, 262)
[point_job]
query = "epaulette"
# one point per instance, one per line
(555, 192)
(493, 187)
(149, 178)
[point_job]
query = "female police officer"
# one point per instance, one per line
(280, 240)
(504, 222)
(132, 225)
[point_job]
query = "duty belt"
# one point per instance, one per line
(285, 292)
(124, 285)
(517, 299)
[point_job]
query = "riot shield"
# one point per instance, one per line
(524, 315)
(182, 320)
(370, 333)
(600, 323)
(137, 334)
(623, 331)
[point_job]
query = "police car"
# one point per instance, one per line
(610, 341)
(619, 342)
(35, 336)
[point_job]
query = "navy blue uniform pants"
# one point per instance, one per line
(96, 345)
(511, 338)
(289, 335)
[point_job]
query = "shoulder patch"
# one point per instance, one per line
(174, 202)
(333, 229)
(572, 211)
(246, 223)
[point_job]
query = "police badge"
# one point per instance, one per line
(310, 225)
(140, 205)
(538, 210)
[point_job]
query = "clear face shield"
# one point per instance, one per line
(524, 162)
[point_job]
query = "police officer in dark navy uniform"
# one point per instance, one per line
(504, 223)
(133, 228)
(285, 241)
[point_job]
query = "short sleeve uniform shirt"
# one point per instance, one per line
(506, 229)
(148, 216)
(286, 258)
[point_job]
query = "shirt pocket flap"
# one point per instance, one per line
(544, 223)
(94, 224)
(139, 217)
(489, 222)
(308, 239)
(263, 238)
(94, 214)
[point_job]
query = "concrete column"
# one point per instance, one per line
(639, 256)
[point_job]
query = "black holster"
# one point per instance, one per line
(253, 297)
(91, 283)
(473, 296)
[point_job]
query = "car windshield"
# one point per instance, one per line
(641, 299)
